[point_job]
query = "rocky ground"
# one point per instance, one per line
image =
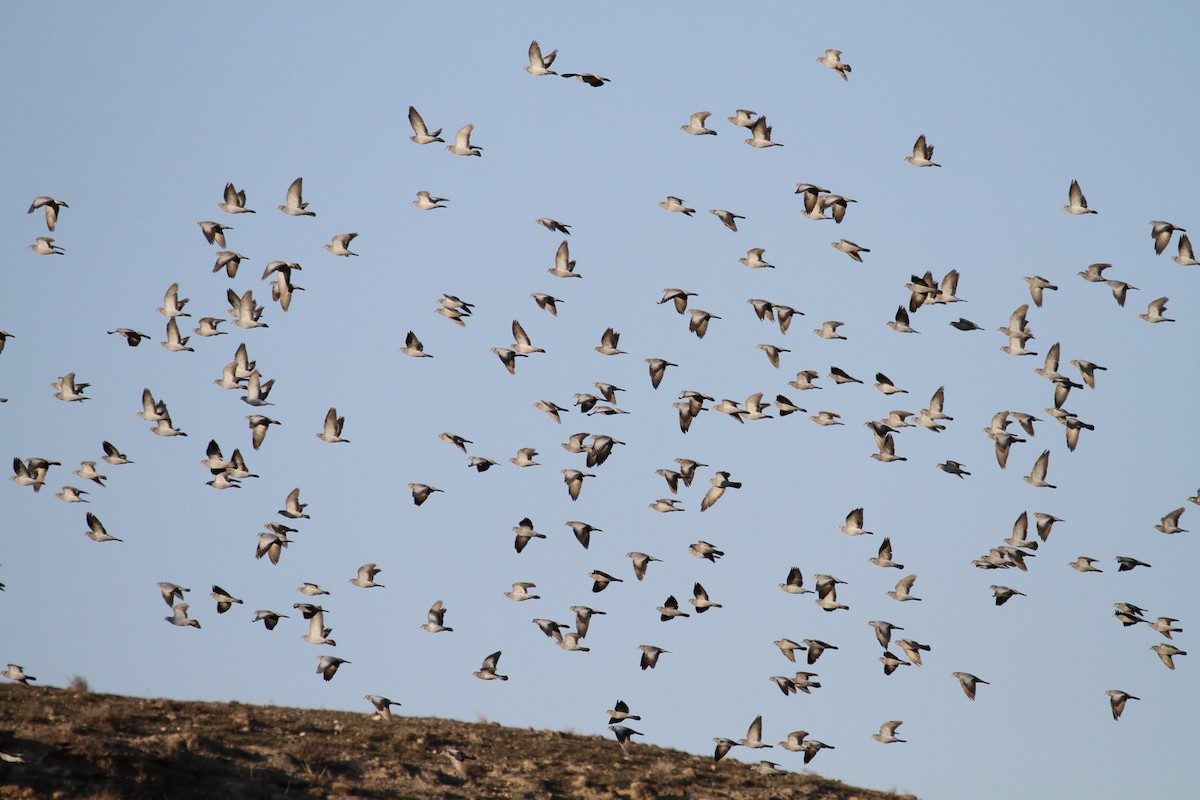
(77, 744)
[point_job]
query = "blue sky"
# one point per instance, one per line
(138, 116)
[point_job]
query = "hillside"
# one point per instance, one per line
(79, 744)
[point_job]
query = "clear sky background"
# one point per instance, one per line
(138, 114)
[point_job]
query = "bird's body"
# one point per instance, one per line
(1186, 257)
(589, 78)
(1156, 311)
(1037, 476)
(695, 126)
(524, 535)
(45, 246)
(669, 610)
(96, 531)
(887, 732)
(332, 430)
(754, 259)
(700, 599)
(365, 578)
(698, 324)
(520, 592)
(413, 347)
(1117, 700)
(71, 494)
(295, 205)
(553, 225)
(1170, 522)
(624, 734)
(427, 202)
(754, 735)
(421, 492)
(422, 134)
(383, 706)
(913, 649)
(1167, 652)
(51, 205)
(795, 582)
(487, 670)
(676, 204)
(293, 508)
(1165, 626)
(436, 619)
(224, 599)
(743, 118)
(850, 248)
(601, 580)
(327, 666)
(340, 245)
(462, 143)
(620, 713)
(760, 134)
(883, 631)
(546, 302)
(903, 590)
(922, 154)
(728, 218)
(132, 338)
(719, 483)
(563, 267)
(179, 617)
(833, 60)
(1078, 203)
(969, 683)
(1003, 594)
(953, 468)
(15, 672)
(539, 65)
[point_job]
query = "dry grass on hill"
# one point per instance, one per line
(77, 744)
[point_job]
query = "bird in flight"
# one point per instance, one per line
(833, 60)
(1078, 203)
(539, 65)
(421, 134)
(295, 207)
(922, 154)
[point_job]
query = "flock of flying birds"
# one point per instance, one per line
(243, 375)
